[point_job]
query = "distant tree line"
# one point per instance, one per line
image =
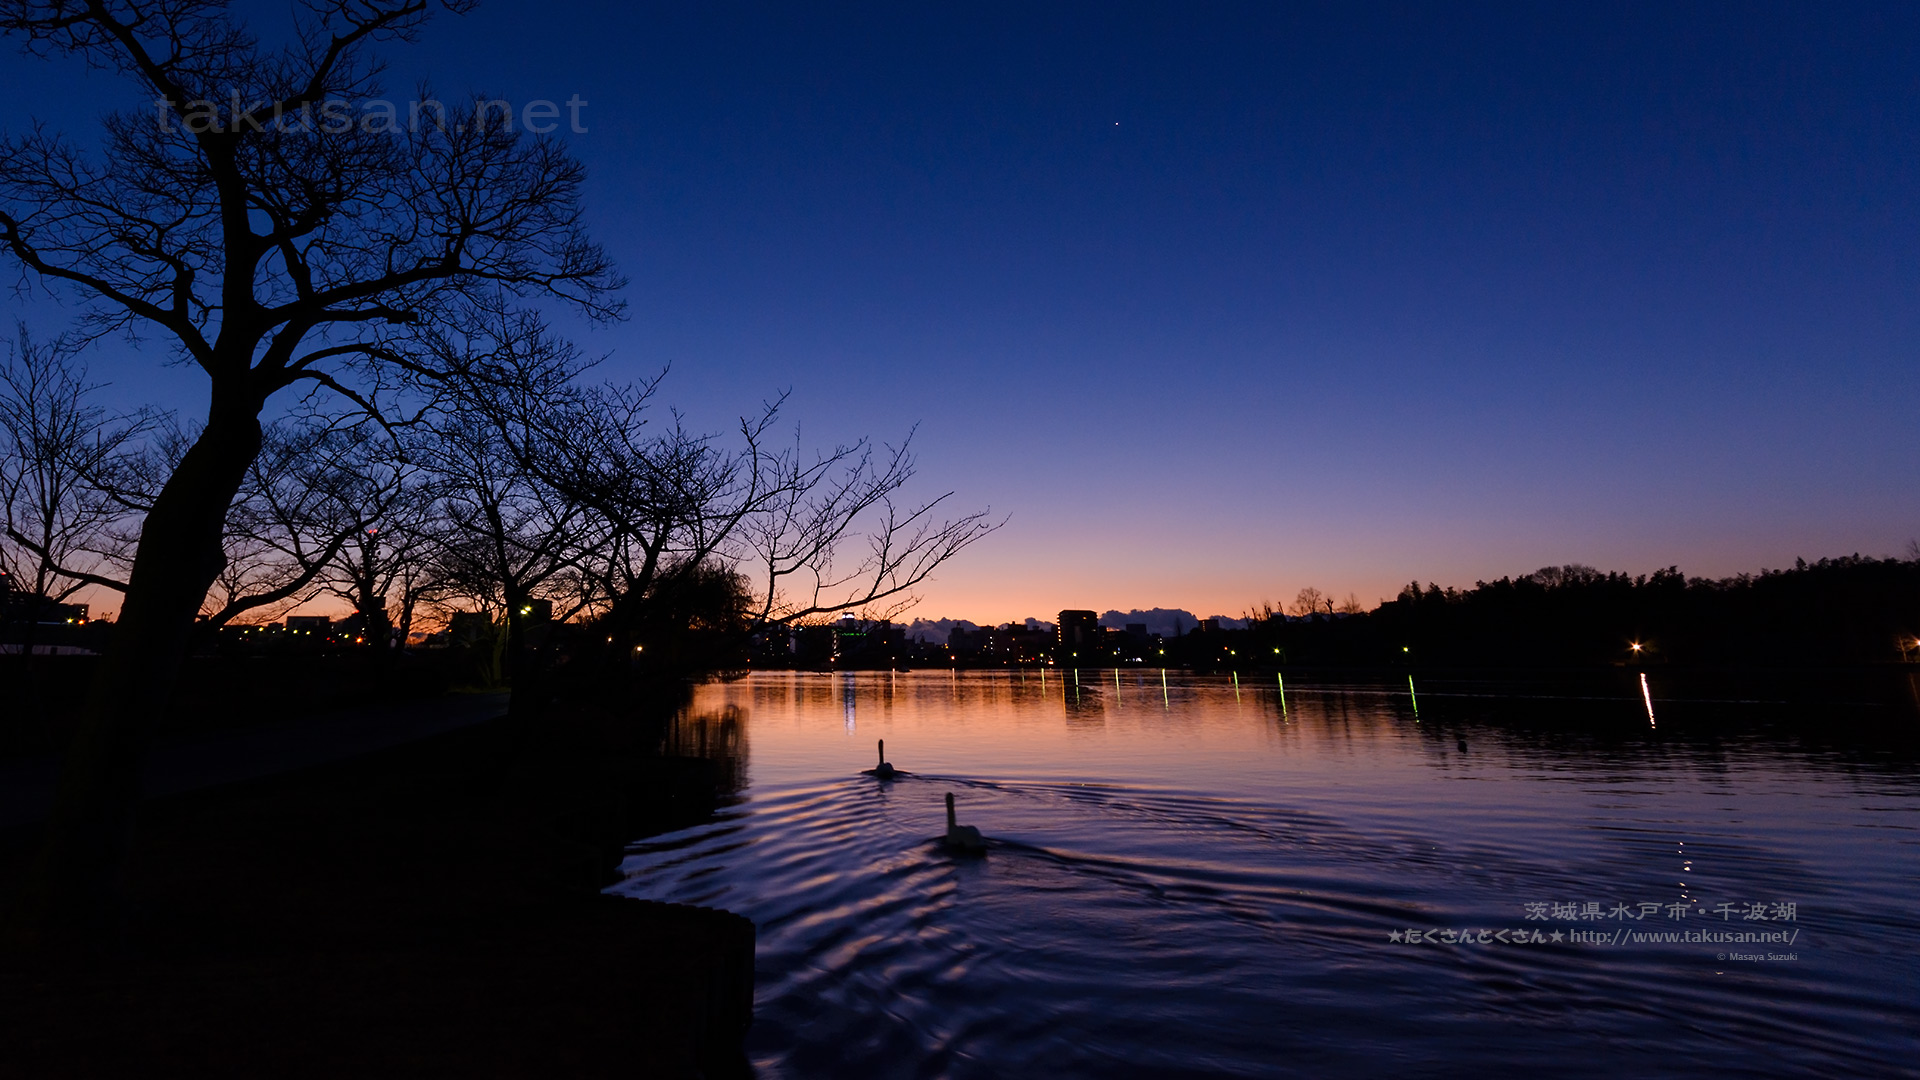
(1837, 611)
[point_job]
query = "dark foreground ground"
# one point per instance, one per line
(430, 909)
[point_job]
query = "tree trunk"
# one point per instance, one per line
(70, 896)
(30, 700)
(376, 630)
(404, 631)
(521, 692)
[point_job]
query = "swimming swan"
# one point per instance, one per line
(884, 770)
(961, 837)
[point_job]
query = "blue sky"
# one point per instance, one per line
(1218, 301)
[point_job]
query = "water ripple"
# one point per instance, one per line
(1211, 894)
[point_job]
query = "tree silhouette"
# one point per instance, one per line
(507, 538)
(312, 491)
(563, 492)
(268, 251)
(385, 569)
(58, 455)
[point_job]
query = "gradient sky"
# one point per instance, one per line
(1219, 301)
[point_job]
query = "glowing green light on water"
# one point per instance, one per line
(1236, 686)
(1282, 680)
(1414, 696)
(1164, 700)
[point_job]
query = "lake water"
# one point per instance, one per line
(1190, 878)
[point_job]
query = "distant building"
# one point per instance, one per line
(20, 606)
(775, 643)
(309, 624)
(966, 641)
(814, 644)
(469, 627)
(1004, 644)
(1077, 633)
(849, 637)
(858, 643)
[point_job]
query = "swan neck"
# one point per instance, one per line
(950, 817)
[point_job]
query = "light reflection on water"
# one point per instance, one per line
(1188, 877)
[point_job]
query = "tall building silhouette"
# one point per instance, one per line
(1077, 632)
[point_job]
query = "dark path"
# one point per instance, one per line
(202, 761)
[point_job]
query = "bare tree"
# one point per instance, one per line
(268, 251)
(673, 504)
(57, 449)
(662, 522)
(1351, 605)
(312, 492)
(796, 546)
(384, 568)
(668, 500)
(1307, 601)
(307, 494)
(507, 539)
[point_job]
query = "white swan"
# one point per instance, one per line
(961, 837)
(884, 770)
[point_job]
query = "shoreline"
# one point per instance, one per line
(429, 907)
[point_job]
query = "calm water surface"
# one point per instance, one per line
(1193, 880)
